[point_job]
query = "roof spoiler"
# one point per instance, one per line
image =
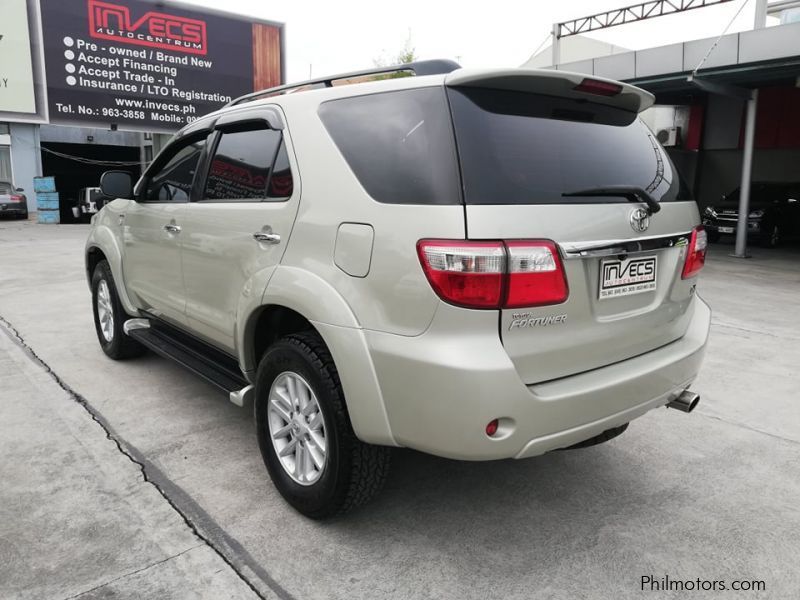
(565, 84)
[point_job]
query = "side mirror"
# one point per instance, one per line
(19, 190)
(117, 184)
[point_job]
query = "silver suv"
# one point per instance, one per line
(477, 264)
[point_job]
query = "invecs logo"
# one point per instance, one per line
(109, 21)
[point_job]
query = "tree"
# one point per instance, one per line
(407, 55)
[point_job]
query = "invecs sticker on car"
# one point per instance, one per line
(627, 277)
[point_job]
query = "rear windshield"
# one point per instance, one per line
(5, 188)
(522, 148)
(398, 144)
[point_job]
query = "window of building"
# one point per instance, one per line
(5, 163)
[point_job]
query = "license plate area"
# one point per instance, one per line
(626, 277)
(725, 229)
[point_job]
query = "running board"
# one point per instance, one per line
(200, 358)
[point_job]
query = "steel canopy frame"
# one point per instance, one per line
(629, 14)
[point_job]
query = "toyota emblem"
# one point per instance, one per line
(640, 220)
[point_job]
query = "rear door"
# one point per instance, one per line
(236, 231)
(520, 152)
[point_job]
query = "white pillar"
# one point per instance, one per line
(556, 46)
(142, 153)
(761, 14)
(747, 169)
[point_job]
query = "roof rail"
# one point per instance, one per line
(420, 67)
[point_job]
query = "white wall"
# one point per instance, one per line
(26, 160)
(573, 48)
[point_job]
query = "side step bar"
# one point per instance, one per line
(204, 360)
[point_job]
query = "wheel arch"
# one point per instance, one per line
(294, 295)
(102, 245)
(94, 254)
(295, 301)
(265, 326)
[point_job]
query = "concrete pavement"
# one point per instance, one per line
(712, 495)
(77, 518)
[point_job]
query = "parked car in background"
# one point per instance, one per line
(12, 201)
(90, 201)
(774, 214)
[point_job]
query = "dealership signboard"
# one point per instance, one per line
(16, 64)
(150, 67)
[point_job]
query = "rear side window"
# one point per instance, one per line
(522, 148)
(281, 183)
(241, 166)
(398, 144)
(173, 182)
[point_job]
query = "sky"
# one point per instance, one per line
(325, 37)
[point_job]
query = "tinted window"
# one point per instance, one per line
(5, 188)
(521, 148)
(173, 183)
(398, 144)
(281, 183)
(241, 165)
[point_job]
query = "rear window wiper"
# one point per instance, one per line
(631, 192)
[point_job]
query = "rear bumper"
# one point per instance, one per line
(13, 209)
(440, 389)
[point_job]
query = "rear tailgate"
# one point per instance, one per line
(519, 152)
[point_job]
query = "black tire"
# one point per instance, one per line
(608, 434)
(354, 472)
(120, 346)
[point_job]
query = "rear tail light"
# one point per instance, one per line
(696, 256)
(598, 88)
(535, 275)
(498, 274)
(465, 273)
(16, 198)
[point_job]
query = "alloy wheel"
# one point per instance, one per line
(105, 310)
(297, 428)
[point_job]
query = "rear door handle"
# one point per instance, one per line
(267, 238)
(170, 228)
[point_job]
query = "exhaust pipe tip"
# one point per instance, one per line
(686, 402)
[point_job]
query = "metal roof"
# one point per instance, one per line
(751, 58)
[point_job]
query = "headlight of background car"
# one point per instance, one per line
(756, 214)
(711, 212)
